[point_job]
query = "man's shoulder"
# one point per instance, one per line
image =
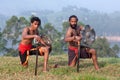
(80, 27)
(26, 28)
(69, 29)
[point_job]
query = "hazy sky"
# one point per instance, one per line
(15, 6)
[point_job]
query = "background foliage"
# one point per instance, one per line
(12, 36)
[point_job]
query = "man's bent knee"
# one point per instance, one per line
(92, 51)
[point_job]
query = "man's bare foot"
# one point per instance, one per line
(55, 66)
(45, 70)
(25, 65)
(97, 68)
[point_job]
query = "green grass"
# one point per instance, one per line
(10, 69)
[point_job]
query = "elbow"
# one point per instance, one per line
(23, 36)
(65, 39)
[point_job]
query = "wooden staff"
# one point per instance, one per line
(36, 65)
(78, 56)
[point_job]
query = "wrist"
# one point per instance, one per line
(74, 37)
(35, 36)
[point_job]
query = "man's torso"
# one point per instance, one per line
(74, 32)
(28, 40)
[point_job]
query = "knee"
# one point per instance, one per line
(47, 50)
(93, 51)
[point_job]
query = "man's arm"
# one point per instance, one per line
(25, 34)
(82, 28)
(68, 37)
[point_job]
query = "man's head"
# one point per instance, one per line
(73, 21)
(35, 22)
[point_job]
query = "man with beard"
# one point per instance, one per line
(73, 36)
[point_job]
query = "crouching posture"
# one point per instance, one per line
(26, 48)
(73, 36)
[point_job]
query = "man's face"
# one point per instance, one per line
(73, 22)
(35, 25)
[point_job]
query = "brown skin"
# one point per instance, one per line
(69, 38)
(28, 38)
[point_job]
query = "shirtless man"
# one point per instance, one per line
(73, 36)
(26, 47)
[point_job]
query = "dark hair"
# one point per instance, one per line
(73, 16)
(35, 19)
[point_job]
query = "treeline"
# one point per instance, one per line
(103, 23)
(11, 36)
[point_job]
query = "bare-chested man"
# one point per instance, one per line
(73, 36)
(26, 47)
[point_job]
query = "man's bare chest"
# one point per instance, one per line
(74, 32)
(32, 32)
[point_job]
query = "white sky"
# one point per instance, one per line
(15, 6)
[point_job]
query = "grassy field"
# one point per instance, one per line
(10, 69)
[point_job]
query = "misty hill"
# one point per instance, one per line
(103, 23)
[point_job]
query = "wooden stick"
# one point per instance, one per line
(78, 56)
(36, 65)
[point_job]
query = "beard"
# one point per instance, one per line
(73, 26)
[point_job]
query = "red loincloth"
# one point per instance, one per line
(74, 49)
(22, 48)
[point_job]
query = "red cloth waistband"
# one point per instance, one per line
(22, 48)
(74, 49)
